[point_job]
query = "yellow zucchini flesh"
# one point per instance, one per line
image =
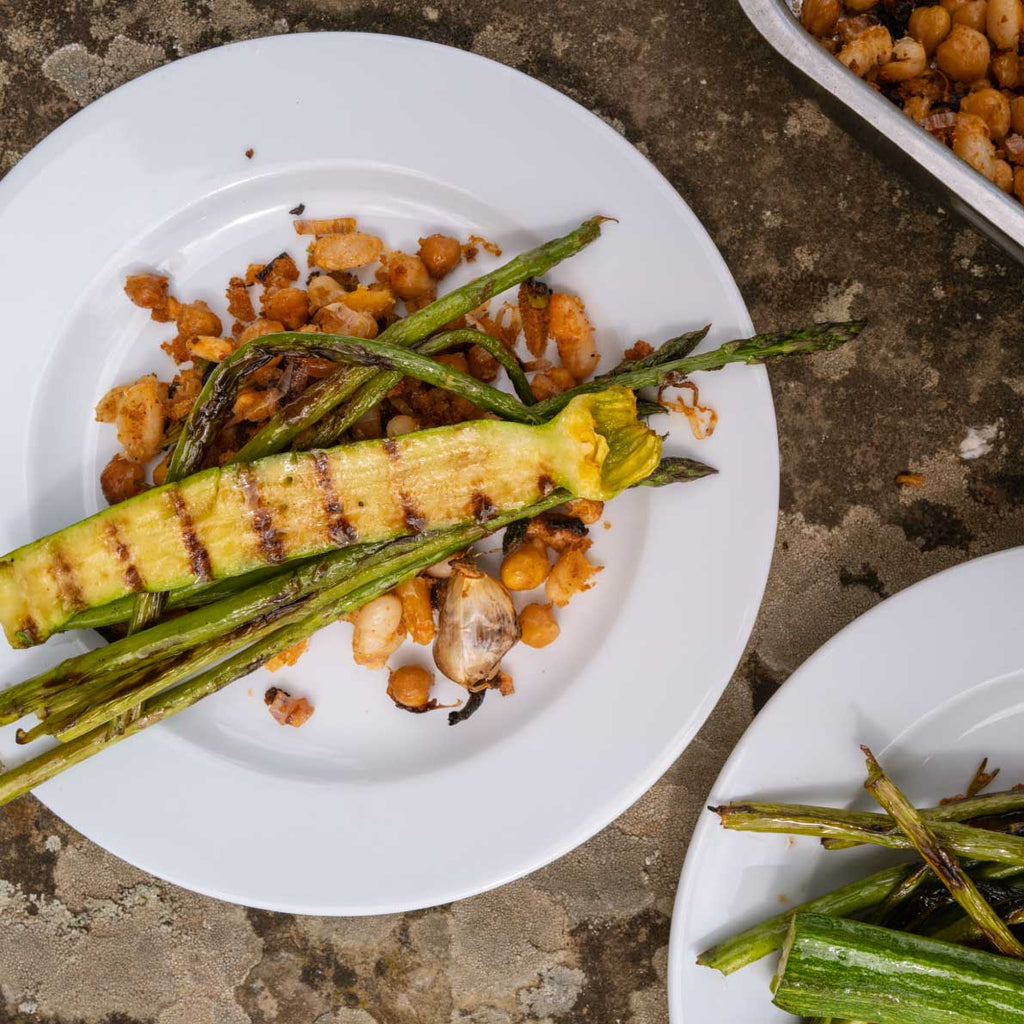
(230, 520)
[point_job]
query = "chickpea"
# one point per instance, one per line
(254, 405)
(908, 61)
(861, 6)
(929, 26)
(586, 511)
(869, 50)
(819, 17)
(122, 478)
(441, 254)
(526, 568)
(146, 290)
(197, 318)
(408, 276)
(288, 305)
(552, 382)
(1003, 23)
(973, 14)
(401, 424)
(993, 108)
(410, 685)
(538, 625)
(258, 328)
(964, 54)
(1017, 114)
(1005, 68)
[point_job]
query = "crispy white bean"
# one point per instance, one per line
(871, 49)
(908, 61)
(1003, 23)
(378, 631)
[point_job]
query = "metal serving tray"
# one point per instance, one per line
(878, 123)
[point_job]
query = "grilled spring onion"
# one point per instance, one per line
(855, 971)
(233, 519)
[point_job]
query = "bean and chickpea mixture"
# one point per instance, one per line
(549, 553)
(953, 66)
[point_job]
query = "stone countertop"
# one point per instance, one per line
(813, 227)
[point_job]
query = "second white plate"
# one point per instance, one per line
(933, 681)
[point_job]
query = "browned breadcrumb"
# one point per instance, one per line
(287, 657)
(239, 301)
(638, 350)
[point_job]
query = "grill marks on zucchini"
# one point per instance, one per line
(132, 578)
(483, 508)
(414, 519)
(339, 530)
(66, 580)
(267, 535)
(198, 556)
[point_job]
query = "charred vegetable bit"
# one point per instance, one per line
(286, 709)
(939, 858)
(470, 708)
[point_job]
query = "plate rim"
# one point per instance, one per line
(606, 811)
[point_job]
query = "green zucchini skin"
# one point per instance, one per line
(237, 518)
(835, 967)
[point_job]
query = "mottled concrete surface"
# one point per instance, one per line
(813, 227)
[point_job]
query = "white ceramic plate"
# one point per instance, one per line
(932, 680)
(366, 809)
